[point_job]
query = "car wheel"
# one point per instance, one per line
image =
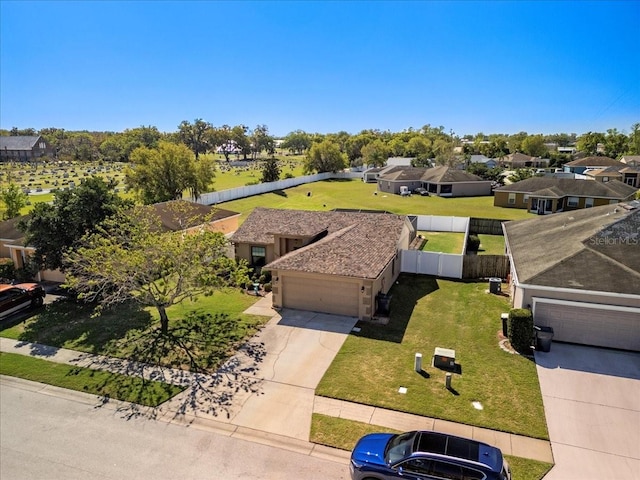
(37, 302)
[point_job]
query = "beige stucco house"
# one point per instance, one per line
(334, 262)
(579, 272)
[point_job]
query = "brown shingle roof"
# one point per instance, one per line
(593, 162)
(570, 186)
(403, 174)
(357, 245)
(594, 249)
(9, 229)
(178, 215)
(440, 174)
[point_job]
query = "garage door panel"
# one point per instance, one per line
(320, 295)
(590, 324)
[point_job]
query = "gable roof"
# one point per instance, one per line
(597, 249)
(356, 245)
(440, 174)
(631, 159)
(9, 230)
(18, 142)
(593, 162)
(518, 157)
(177, 215)
(560, 187)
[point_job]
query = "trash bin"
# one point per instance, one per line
(495, 285)
(544, 335)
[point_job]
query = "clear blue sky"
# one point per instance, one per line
(492, 67)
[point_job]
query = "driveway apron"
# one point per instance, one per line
(297, 348)
(592, 404)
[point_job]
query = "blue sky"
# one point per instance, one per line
(492, 67)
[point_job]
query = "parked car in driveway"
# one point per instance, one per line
(17, 297)
(422, 455)
(421, 191)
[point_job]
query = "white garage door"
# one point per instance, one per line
(320, 295)
(590, 323)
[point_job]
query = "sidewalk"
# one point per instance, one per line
(266, 406)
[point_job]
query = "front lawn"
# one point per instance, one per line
(131, 332)
(427, 313)
(106, 384)
(343, 434)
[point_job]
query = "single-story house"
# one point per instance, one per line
(442, 181)
(24, 148)
(633, 160)
(334, 262)
(589, 163)
(176, 215)
(628, 174)
(579, 273)
(489, 162)
(544, 195)
(520, 160)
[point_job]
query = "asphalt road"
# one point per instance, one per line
(52, 437)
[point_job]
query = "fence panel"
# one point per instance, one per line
(442, 223)
(431, 263)
(486, 226)
(484, 266)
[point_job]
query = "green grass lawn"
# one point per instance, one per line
(426, 313)
(337, 193)
(340, 433)
(112, 385)
(443, 242)
(491, 245)
(115, 332)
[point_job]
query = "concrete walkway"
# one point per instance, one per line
(268, 387)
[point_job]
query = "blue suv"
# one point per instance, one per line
(423, 455)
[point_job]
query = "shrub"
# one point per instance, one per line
(288, 175)
(473, 243)
(6, 268)
(520, 329)
(267, 287)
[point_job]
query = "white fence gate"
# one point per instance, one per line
(447, 265)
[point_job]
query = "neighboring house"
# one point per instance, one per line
(579, 272)
(589, 163)
(567, 150)
(399, 161)
(442, 181)
(633, 160)
(520, 160)
(489, 162)
(184, 215)
(544, 195)
(628, 174)
(22, 149)
(333, 262)
(370, 175)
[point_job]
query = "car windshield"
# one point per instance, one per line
(399, 447)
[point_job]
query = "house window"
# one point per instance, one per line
(512, 199)
(258, 256)
(444, 189)
(43, 145)
(525, 199)
(630, 181)
(605, 179)
(534, 204)
(572, 202)
(588, 202)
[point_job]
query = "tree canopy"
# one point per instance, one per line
(324, 157)
(164, 173)
(53, 229)
(13, 199)
(131, 257)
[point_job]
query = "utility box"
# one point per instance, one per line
(444, 358)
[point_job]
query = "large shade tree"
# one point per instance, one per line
(12, 200)
(324, 157)
(54, 228)
(195, 135)
(131, 257)
(164, 173)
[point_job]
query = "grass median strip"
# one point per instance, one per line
(341, 433)
(97, 382)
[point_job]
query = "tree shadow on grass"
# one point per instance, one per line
(406, 293)
(195, 355)
(67, 322)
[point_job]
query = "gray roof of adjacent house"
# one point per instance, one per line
(356, 245)
(18, 143)
(596, 249)
(480, 159)
(9, 230)
(593, 162)
(439, 174)
(560, 187)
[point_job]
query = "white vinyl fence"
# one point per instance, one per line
(431, 263)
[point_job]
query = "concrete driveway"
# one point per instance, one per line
(592, 404)
(298, 347)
